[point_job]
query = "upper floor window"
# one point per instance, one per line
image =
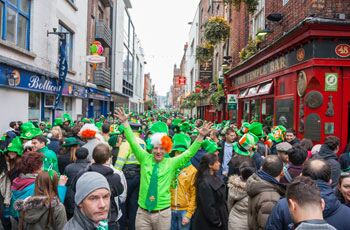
(69, 44)
(258, 18)
(15, 22)
(285, 2)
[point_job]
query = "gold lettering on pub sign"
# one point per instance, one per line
(268, 68)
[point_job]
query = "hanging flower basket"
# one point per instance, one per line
(249, 50)
(217, 98)
(251, 4)
(217, 30)
(204, 52)
(204, 93)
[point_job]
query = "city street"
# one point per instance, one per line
(174, 115)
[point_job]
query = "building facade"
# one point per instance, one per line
(129, 63)
(29, 56)
(299, 75)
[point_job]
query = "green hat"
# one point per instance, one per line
(256, 128)
(185, 127)
(210, 146)
(67, 117)
(159, 127)
(70, 141)
(85, 120)
(26, 126)
(112, 141)
(181, 142)
(244, 129)
(278, 133)
(176, 121)
(16, 146)
(31, 133)
(246, 142)
(58, 121)
(99, 125)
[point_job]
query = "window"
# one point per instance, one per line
(131, 68)
(125, 63)
(14, 22)
(34, 106)
(1, 17)
(126, 28)
(285, 2)
(258, 19)
(192, 47)
(69, 45)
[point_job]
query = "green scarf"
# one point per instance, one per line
(102, 225)
(177, 173)
(151, 201)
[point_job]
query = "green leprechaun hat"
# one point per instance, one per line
(210, 146)
(244, 129)
(278, 133)
(70, 141)
(159, 127)
(244, 144)
(31, 133)
(16, 146)
(26, 126)
(58, 121)
(256, 128)
(99, 125)
(185, 127)
(176, 122)
(67, 117)
(86, 120)
(181, 142)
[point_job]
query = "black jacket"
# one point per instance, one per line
(327, 154)
(63, 161)
(335, 213)
(211, 213)
(55, 145)
(295, 142)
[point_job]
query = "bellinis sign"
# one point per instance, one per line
(42, 84)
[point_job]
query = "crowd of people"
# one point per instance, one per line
(161, 170)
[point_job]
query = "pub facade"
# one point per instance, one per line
(301, 81)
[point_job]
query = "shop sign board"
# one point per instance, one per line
(232, 101)
(331, 82)
(206, 71)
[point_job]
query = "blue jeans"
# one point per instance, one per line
(176, 220)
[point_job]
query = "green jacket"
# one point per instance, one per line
(50, 158)
(166, 170)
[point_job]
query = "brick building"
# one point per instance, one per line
(299, 76)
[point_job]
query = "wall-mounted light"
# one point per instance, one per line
(264, 32)
(11, 78)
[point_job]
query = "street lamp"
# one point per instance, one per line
(11, 79)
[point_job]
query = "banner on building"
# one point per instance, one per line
(62, 69)
(181, 80)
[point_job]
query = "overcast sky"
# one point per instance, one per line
(162, 26)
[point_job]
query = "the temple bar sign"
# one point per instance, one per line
(270, 67)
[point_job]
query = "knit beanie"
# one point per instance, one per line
(87, 183)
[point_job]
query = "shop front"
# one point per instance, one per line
(98, 103)
(23, 93)
(30, 95)
(302, 82)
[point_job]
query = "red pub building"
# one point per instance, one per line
(301, 81)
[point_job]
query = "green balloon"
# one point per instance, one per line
(93, 49)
